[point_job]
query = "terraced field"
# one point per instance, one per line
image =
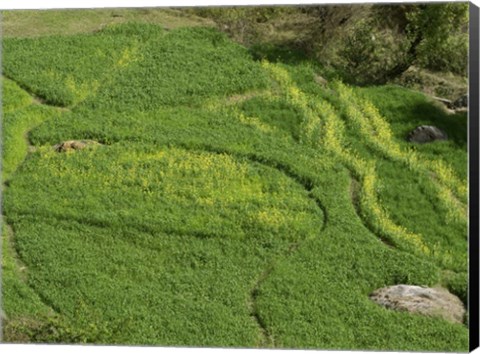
(229, 202)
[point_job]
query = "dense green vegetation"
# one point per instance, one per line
(232, 202)
(362, 44)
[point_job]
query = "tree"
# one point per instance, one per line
(428, 29)
(368, 43)
(386, 40)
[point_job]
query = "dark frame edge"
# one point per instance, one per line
(473, 148)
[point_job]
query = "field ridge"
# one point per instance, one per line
(10, 251)
(232, 202)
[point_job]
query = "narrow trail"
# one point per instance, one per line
(266, 339)
(355, 197)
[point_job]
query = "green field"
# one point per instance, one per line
(231, 202)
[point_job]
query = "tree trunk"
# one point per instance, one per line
(400, 68)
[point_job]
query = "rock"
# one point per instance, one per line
(320, 80)
(3, 316)
(74, 145)
(446, 102)
(461, 102)
(421, 300)
(426, 134)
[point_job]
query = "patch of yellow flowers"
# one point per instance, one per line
(373, 127)
(311, 124)
(81, 90)
(129, 55)
(322, 127)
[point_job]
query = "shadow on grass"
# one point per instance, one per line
(405, 110)
(286, 53)
(455, 125)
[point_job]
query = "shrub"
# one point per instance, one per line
(368, 54)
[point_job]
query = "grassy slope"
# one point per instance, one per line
(224, 207)
(34, 23)
(20, 114)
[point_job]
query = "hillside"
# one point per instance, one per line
(223, 201)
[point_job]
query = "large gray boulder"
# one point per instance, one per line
(437, 302)
(426, 134)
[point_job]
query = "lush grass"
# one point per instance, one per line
(231, 203)
(404, 110)
(239, 217)
(412, 196)
(14, 97)
(17, 124)
(180, 67)
(64, 71)
(23, 305)
(327, 308)
(217, 190)
(185, 67)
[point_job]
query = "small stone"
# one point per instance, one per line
(421, 300)
(74, 145)
(461, 102)
(426, 134)
(320, 80)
